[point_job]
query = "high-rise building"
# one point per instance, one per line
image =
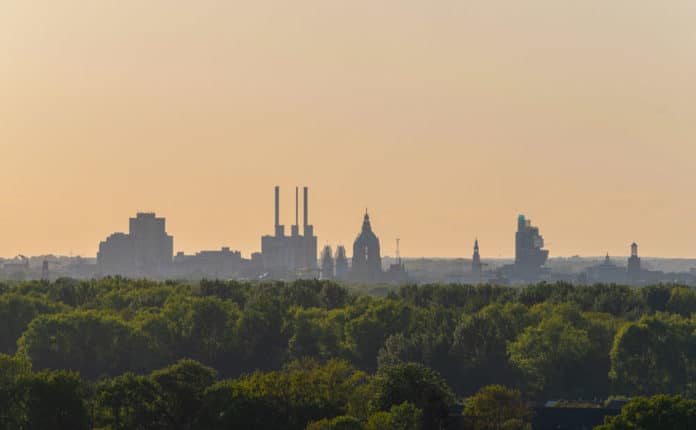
(530, 255)
(634, 267)
(367, 260)
(294, 255)
(147, 249)
(327, 263)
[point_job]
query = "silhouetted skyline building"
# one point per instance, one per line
(606, 272)
(367, 258)
(327, 263)
(221, 264)
(147, 249)
(341, 263)
(294, 255)
(634, 266)
(530, 255)
(476, 266)
(397, 271)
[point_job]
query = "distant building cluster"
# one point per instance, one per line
(531, 259)
(147, 251)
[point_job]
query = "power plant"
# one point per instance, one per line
(295, 255)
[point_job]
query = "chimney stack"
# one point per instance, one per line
(277, 206)
(297, 206)
(296, 228)
(279, 229)
(306, 206)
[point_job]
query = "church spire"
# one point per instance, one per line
(476, 265)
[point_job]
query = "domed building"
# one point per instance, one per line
(367, 260)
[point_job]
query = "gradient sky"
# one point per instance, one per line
(445, 118)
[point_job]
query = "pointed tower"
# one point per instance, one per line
(476, 267)
(367, 259)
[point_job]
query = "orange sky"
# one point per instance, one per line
(446, 119)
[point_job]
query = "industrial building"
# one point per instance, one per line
(294, 255)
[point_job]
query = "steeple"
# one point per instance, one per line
(366, 227)
(476, 265)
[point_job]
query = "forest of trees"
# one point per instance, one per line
(136, 354)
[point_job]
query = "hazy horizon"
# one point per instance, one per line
(445, 120)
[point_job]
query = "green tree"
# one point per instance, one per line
(368, 331)
(338, 423)
(308, 334)
(418, 385)
(54, 400)
(128, 402)
(661, 412)
(201, 329)
(16, 312)
(12, 370)
(181, 389)
(88, 342)
(480, 341)
(654, 355)
(405, 416)
(682, 301)
(496, 408)
(302, 392)
(555, 356)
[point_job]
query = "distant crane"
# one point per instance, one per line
(24, 260)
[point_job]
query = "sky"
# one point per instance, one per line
(444, 119)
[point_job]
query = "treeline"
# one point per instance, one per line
(189, 395)
(547, 341)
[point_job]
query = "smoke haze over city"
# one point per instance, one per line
(445, 119)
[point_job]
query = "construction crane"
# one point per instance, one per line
(24, 261)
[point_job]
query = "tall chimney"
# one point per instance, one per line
(279, 229)
(277, 207)
(306, 206)
(295, 229)
(297, 206)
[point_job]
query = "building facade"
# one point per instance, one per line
(146, 251)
